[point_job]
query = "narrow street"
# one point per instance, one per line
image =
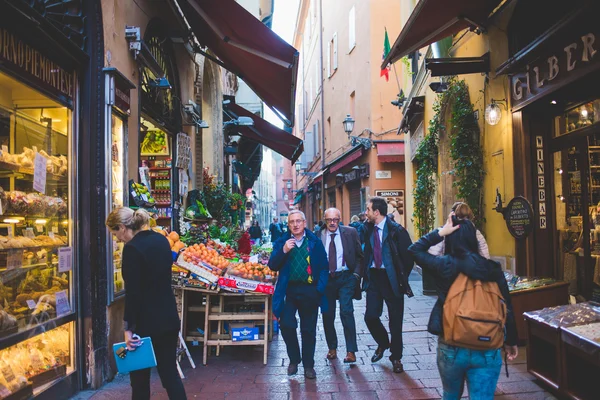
(238, 373)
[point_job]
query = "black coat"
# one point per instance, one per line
(446, 269)
(395, 253)
(150, 307)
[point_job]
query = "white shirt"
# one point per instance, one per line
(300, 241)
(339, 249)
(380, 225)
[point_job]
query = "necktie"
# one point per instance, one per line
(377, 249)
(332, 255)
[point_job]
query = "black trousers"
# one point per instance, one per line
(340, 286)
(165, 350)
(305, 300)
(378, 291)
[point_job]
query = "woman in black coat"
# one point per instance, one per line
(150, 307)
(480, 368)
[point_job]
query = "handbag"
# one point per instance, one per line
(132, 360)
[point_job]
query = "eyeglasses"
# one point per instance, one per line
(296, 222)
(330, 220)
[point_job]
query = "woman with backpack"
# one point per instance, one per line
(464, 353)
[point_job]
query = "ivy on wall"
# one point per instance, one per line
(465, 150)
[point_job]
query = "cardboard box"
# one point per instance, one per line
(236, 282)
(243, 331)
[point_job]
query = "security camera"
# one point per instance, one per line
(192, 110)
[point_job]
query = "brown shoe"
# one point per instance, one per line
(398, 368)
(350, 358)
(332, 354)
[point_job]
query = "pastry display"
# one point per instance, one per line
(21, 242)
(54, 165)
(32, 204)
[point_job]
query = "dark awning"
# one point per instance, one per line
(415, 107)
(267, 134)
(248, 49)
(433, 20)
(458, 66)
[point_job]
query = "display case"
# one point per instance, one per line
(36, 258)
(578, 117)
(118, 197)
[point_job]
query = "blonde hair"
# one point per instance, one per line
(354, 218)
(134, 220)
(462, 211)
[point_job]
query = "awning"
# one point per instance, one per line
(319, 177)
(458, 66)
(346, 158)
(298, 198)
(267, 134)
(415, 107)
(433, 20)
(390, 151)
(247, 48)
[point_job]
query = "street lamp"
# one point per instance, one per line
(348, 124)
(299, 168)
(354, 140)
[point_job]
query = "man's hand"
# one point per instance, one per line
(511, 352)
(289, 244)
(130, 342)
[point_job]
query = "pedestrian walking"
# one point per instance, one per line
(344, 254)
(480, 368)
(275, 229)
(386, 267)
(255, 232)
(150, 308)
(301, 260)
(463, 211)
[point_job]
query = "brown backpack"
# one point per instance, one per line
(474, 314)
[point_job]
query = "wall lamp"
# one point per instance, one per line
(355, 140)
(299, 168)
(493, 113)
(438, 87)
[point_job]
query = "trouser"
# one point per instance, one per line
(165, 350)
(480, 368)
(305, 300)
(378, 291)
(341, 285)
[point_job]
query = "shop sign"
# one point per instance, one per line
(62, 303)
(519, 217)
(20, 57)
(122, 96)
(351, 176)
(541, 182)
(383, 174)
(390, 193)
(573, 56)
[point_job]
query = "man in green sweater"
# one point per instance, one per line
(300, 257)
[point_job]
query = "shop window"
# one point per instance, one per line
(36, 260)
(578, 117)
(118, 198)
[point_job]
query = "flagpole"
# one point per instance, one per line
(397, 80)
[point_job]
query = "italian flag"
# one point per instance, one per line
(386, 49)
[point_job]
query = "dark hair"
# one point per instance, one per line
(379, 204)
(463, 241)
(462, 210)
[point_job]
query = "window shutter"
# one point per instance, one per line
(328, 59)
(335, 52)
(352, 29)
(309, 147)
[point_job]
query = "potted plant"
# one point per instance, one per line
(236, 201)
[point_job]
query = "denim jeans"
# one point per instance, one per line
(481, 369)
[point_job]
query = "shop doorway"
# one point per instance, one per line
(355, 199)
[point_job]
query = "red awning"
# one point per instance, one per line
(390, 152)
(345, 159)
(248, 49)
(268, 134)
(433, 20)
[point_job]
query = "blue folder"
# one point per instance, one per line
(132, 360)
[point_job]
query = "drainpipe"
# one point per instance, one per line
(322, 78)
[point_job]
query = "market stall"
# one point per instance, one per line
(564, 348)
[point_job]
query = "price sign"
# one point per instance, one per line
(519, 217)
(65, 259)
(14, 259)
(51, 234)
(8, 373)
(55, 229)
(39, 173)
(36, 360)
(31, 304)
(253, 259)
(28, 232)
(62, 303)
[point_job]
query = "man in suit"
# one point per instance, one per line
(344, 254)
(386, 267)
(300, 258)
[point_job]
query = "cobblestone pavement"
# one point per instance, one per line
(239, 373)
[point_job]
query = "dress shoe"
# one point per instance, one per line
(398, 368)
(378, 354)
(309, 373)
(332, 354)
(350, 358)
(292, 369)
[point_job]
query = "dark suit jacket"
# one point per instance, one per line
(353, 254)
(398, 261)
(150, 307)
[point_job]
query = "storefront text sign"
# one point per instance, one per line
(62, 303)
(541, 182)
(39, 173)
(573, 56)
(65, 259)
(383, 174)
(519, 217)
(21, 57)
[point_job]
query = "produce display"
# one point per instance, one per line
(196, 235)
(253, 271)
(142, 192)
(201, 255)
(155, 142)
(173, 238)
(32, 204)
(54, 165)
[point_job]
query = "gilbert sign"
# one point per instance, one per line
(572, 57)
